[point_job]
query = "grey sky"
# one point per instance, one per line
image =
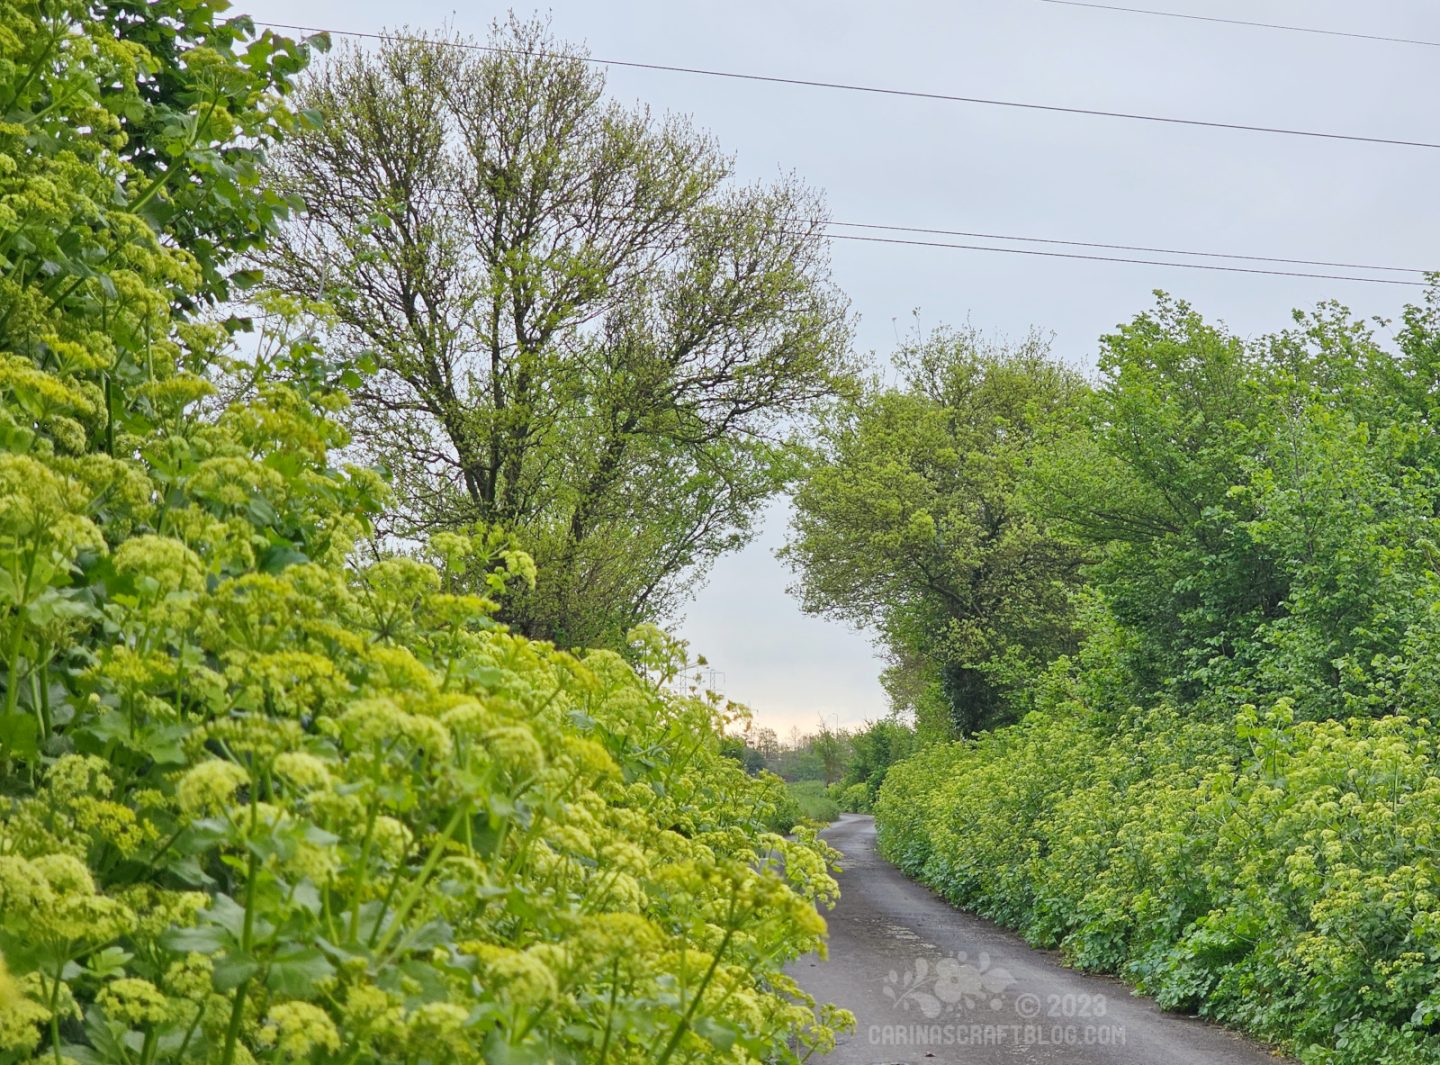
(905, 161)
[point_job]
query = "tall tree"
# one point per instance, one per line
(909, 519)
(582, 328)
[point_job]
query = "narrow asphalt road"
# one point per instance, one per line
(930, 985)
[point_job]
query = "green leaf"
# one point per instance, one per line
(233, 970)
(260, 512)
(109, 961)
(19, 736)
(200, 939)
(276, 559)
(296, 970)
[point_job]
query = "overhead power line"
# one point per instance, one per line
(1120, 259)
(1243, 22)
(878, 90)
(1130, 247)
(1098, 245)
(1081, 256)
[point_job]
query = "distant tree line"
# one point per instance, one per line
(850, 763)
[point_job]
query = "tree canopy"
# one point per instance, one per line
(1258, 511)
(581, 326)
(910, 517)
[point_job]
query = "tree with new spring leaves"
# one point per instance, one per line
(1258, 511)
(581, 326)
(909, 517)
(262, 800)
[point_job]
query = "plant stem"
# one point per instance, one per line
(684, 1025)
(232, 1030)
(55, 1014)
(247, 934)
(413, 895)
(610, 1014)
(364, 869)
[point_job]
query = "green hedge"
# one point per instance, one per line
(854, 798)
(1274, 875)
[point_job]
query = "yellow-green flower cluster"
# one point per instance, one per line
(296, 1029)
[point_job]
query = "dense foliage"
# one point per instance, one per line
(1261, 512)
(1229, 795)
(1276, 875)
(873, 750)
(262, 799)
(583, 329)
(909, 519)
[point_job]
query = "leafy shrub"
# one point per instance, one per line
(1260, 517)
(874, 748)
(1258, 512)
(262, 799)
(813, 801)
(855, 799)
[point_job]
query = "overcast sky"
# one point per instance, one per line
(911, 162)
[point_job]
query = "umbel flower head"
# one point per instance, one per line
(208, 788)
(297, 1028)
(133, 1002)
(20, 1015)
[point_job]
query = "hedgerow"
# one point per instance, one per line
(855, 799)
(264, 797)
(1273, 874)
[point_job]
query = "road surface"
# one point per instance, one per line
(930, 985)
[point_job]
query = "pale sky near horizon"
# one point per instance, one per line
(911, 162)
